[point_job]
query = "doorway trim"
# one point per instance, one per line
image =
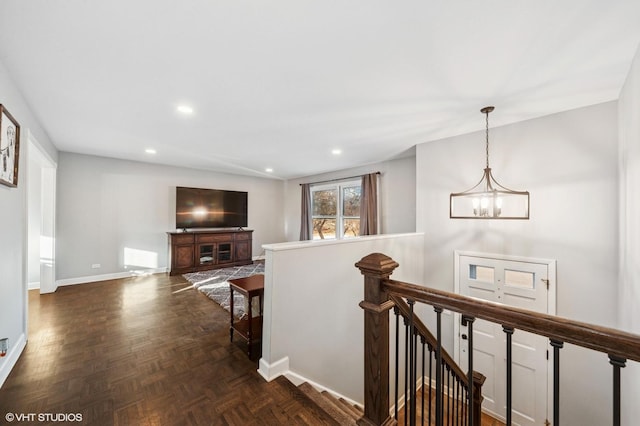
(39, 158)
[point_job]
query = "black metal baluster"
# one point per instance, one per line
(448, 396)
(465, 407)
(438, 365)
(406, 370)
(415, 369)
(618, 363)
(443, 401)
(452, 396)
(459, 406)
(509, 332)
(457, 401)
(468, 321)
(412, 367)
(423, 341)
(396, 311)
(557, 345)
(452, 387)
(430, 381)
(454, 421)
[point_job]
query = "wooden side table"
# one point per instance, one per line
(249, 328)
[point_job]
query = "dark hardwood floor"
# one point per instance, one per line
(142, 351)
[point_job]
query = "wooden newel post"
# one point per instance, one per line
(376, 304)
(478, 381)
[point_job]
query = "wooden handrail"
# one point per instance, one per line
(602, 339)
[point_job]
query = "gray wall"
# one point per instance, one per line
(106, 207)
(13, 217)
(629, 289)
(397, 195)
(568, 162)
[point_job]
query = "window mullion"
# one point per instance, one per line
(340, 233)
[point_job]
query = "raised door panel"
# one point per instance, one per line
(183, 257)
(246, 235)
(243, 250)
(182, 238)
(214, 238)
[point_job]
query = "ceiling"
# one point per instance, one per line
(280, 84)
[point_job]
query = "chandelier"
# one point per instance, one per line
(488, 199)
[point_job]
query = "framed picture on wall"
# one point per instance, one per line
(9, 148)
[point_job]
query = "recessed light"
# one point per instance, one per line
(185, 109)
(268, 170)
(150, 151)
(336, 151)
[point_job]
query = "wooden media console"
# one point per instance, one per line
(203, 250)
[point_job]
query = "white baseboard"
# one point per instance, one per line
(105, 277)
(9, 361)
(271, 371)
(281, 368)
(34, 286)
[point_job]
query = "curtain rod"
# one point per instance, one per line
(338, 179)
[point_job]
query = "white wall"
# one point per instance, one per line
(13, 216)
(629, 289)
(313, 326)
(568, 162)
(106, 206)
(397, 195)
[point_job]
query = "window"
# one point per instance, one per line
(481, 273)
(335, 210)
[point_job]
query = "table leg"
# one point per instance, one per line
(250, 334)
(231, 309)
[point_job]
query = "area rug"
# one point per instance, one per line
(215, 285)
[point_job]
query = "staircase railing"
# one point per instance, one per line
(381, 294)
(457, 381)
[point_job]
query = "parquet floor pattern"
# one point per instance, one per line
(142, 351)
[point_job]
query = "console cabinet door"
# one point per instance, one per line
(225, 253)
(206, 254)
(243, 250)
(183, 257)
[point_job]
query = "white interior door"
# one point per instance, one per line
(516, 283)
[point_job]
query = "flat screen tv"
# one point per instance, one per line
(210, 208)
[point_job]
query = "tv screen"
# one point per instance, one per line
(210, 208)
